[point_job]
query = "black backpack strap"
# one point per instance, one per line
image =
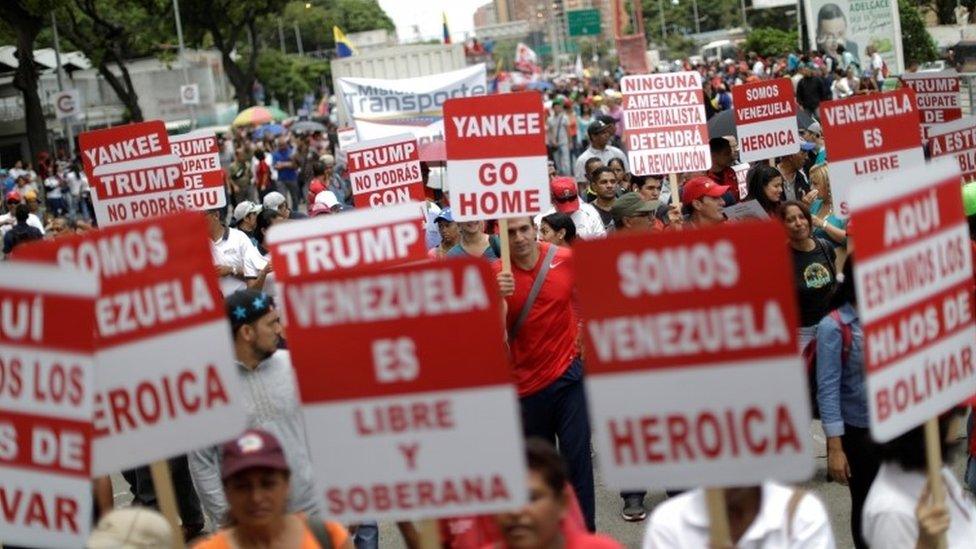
(319, 532)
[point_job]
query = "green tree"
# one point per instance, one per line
(287, 75)
(232, 27)
(316, 18)
(679, 16)
(770, 42)
(916, 42)
(24, 19)
(110, 32)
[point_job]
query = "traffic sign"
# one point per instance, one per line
(584, 22)
(67, 104)
(190, 94)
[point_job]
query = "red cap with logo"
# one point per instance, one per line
(700, 186)
(565, 194)
(254, 448)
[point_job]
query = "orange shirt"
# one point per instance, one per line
(338, 533)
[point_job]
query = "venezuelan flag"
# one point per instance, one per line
(447, 33)
(342, 44)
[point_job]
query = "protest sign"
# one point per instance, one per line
(664, 123)
(421, 436)
(133, 173)
(856, 24)
(323, 245)
(956, 139)
(47, 379)
(870, 138)
(496, 156)
(166, 381)
(765, 119)
(914, 280)
(707, 309)
(203, 178)
(937, 96)
(385, 171)
(741, 174)
(382, 107)
(749, 209)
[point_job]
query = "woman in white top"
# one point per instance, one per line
(771, 516)
(899, 499)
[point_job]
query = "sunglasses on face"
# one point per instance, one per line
(564, 199)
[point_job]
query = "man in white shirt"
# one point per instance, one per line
(783, 517)
(230, 248)
(877, 65)
(565, 199)
(7, 220)
(600, 134)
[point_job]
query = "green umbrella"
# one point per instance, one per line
(277, 114)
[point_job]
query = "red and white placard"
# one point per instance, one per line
(870, 138)
(664, 123)
(372, 237)
(133, 173)
(707, 309)
(765, 119)
(386, 171)
(937, 96)
(956, 139)
(203, 178)
(496, 156)
(421, 436)
(47, 382)
(914, 280)
(166, 378)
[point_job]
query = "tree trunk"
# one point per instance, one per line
(27, 27)
(243, 83)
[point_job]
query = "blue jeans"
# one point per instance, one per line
(367, 536)
(558, 412)
(971, 461)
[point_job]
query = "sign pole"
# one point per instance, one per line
(503, 235)
(163, 484)
(718, 518)
(933, 457)
(430, 536)
(675, 196)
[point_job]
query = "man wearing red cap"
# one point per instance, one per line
(703, 202)
(7, 220)
(565, 199)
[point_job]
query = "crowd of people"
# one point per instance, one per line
(258, 489)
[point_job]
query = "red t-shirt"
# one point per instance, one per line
(726, 177)
(546, 343)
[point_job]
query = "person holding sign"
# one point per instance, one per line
(771, 515)
(256, 479)
(765, 185)
(272, 402)
(543, 338)
(899, 513)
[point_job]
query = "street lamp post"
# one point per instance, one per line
(68, 132)
(179, 38)
(298, 40)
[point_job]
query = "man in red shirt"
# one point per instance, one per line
(545, 352)
(721, 171)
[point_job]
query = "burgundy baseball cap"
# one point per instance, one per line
(700, 186)
(254, 448)
(565, 194)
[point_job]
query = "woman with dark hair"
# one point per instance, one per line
(899, 512)
(842, 398)
(616, 165)
(557, 228)
(815, 274)
(765, 185)
(256, 479)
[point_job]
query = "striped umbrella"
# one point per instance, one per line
(256, 116)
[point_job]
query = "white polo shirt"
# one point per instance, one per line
(229, 251)
(682, 521)
(889, 510)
